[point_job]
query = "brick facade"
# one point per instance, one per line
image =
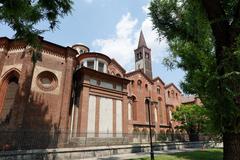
(75, 91)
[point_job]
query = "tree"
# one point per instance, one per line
(204, 39)
(192, 119)
(23, 16)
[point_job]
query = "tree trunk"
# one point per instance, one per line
(231, 143)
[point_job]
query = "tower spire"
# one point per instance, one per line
(141, 42)
(143, 57)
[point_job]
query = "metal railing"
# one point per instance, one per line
(40, 139)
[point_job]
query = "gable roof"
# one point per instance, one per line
(139, 71)
(158, 78)
(172, 84)
(118, 65)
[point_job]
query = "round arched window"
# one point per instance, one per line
(139, 82)
(47, 81)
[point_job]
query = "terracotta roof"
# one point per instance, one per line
(172, 84)
(118, 65)
(188, 99)
(141, 72)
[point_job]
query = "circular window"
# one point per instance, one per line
(47, 81)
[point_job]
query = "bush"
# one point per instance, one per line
(161, 136)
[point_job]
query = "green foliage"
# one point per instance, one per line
(24, 16)
(192, 118)
(209, 55)
(161, 136)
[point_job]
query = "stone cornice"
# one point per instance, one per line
(48, 47)
(102, 75)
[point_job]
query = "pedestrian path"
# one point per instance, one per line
(141, 154)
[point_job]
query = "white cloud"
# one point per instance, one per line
(121, 46)
(125, 26)
(159, 48)
(145, 8)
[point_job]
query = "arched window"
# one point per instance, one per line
(140, 55)
(147, 55)
(146, 87)
(172, 93)
(139, 83)
(158, 89)
(132, 83)
(8, 93)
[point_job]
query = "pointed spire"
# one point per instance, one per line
(141, 41)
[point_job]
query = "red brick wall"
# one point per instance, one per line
(36, 109)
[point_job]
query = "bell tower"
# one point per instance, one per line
(143, 57)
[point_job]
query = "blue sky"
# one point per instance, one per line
(111, 27)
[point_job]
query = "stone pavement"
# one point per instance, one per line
(141, 154)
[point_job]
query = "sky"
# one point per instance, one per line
(111, 27)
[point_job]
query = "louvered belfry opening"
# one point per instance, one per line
(8, 93)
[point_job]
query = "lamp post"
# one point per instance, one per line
(148, 100)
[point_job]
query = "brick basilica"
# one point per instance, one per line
(83, 93)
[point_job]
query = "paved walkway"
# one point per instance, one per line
(141, 154)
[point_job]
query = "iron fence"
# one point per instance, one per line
(40, 139)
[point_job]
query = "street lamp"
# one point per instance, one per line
(148, 100)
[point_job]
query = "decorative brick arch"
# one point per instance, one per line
(9, 80)
(134, 107)
(11, 72)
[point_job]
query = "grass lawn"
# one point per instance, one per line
(210, 154)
